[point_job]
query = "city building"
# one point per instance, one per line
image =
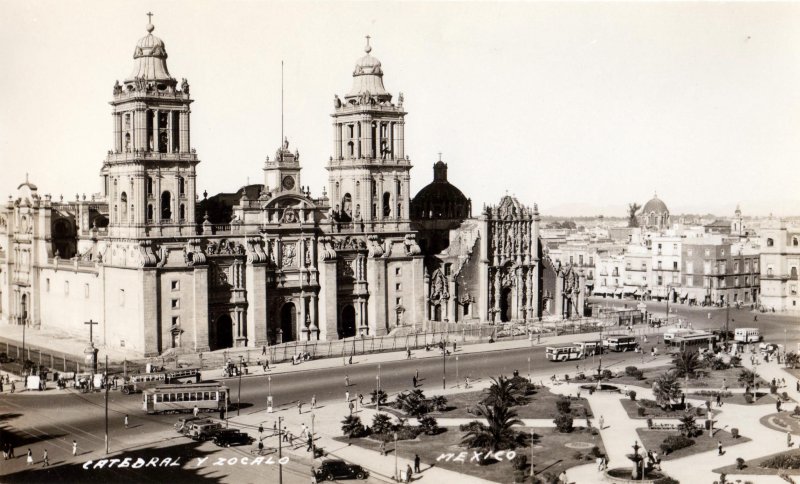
(719, 270)
(780, 264)
(654, 215)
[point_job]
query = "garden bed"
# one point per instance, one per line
(542, 405)
(631, 406)
(652, 439)
(551, 453)
(753, 467)
(761, 398)
(712, 379)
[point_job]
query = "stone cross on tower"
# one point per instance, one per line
(91, 324)
(440, 156)
(149, 17)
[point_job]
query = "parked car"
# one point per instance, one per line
(202, 429)
(331, 469)
(229, 437)
(183, 422)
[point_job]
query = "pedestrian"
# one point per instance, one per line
(788, 438)
(454, 346)
(11, 451)
(719, 399)
(599, 462)
(383, 447)
(350, 360)
(416, 375)
(797, 386)
(347, 380)
(304, 431)
(361, 399)
(222, 414)
(310, 443)
(602, 420)
(74, 448)
(285, 434)
(45, 459)
(29, 458)
(778, 406)
(416, 464)
(260, 430)
(466, 382)
(408, 353)
(13, 386)
(126, 420)
(414, 381)
(346, 396)
(408, 473)
(299, 407)
(683, 399)
(719, 447)
(195, 411)
(5, 452)
(351, 408)
(313, 402)
(562, 478)
(264, 350)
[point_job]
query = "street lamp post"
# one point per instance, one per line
(280, 450)
(239, 393)
(444, 354)
(313, 444)
(532, 434)
(378, 393)
(457, 381)
(269, 392)
(529, 370)
(396, 475)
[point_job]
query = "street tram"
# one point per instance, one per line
(143, 381)
(564, 353)
(620, 343)
(694, 340)
(207, 397)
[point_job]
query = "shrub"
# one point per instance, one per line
(577, 455)
(666, 480)
(785, 397)
(439, 402)
(428, 425)
(640, 411)
(739, 463)
(648, 403)
(405, 432)
(595, 452)
(607, 374)
(735, 433)
(796, 410)
(580, 377)
(352, 427)
(381, 394)
(698, 411)
(748, 398)
(773, 389)
(675, 442)
(563, 405)
(631, 370)
(782, 461)
(520, 462)
(566, 377)
(735, 362)
(649, 423)
(632, 395)
(470, 427)
(563, 423)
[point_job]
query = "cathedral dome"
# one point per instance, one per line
(440, 198)
(368, 78)
(150, 55)
(655, 205)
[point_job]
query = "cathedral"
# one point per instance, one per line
(159, 268)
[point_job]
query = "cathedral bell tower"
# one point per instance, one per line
(149, 177)
(369, 172)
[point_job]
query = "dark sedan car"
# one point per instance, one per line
(338, 469)
(229, 437)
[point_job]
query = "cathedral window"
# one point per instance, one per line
(150, 212)
(123, 200)
(398, 211)
(149, 186)
(795, 242)
(166, 206)
(183, 212)
(350, 149)
(770, 242)
(149, 124)
(397, 188)
(181, 186)
(387, 207)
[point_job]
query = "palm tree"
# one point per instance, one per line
(792, 359)
(632, 209)
(382, 423)
(747, 377)
(666, 388)
(687, 362)
(352, 426)
(688, 427)
(439, 402)
(504, 393)
(497, 433)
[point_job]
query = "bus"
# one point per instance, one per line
(564, 353)
(747, 335)
(590, 348)
(143, 381)
(693, 340)
(620, 343)
(672, 332)
(207, 397)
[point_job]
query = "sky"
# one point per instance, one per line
(581, 108)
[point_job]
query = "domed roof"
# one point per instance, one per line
(368, 77)
(655, 205)
(437, 197)
(151, 58)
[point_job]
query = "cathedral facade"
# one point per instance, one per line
(268, 264)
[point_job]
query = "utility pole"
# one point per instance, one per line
(444, 365)
(666, 318)
(378, 393)
(280, 450)
(105, 382)
(313, 444)
(532, 434)
(727, 317)
(239, 396)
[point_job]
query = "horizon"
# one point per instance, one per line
(590, 101)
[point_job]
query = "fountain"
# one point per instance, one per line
(640, 473)
(636, 473)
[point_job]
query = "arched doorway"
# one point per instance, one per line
(23, 309)
(437, 312)
(224, 332)
(505, 304)
(288, 322)
(347, 324)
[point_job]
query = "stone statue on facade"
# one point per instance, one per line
(117, 88)
(185, 86)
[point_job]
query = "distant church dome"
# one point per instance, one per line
(440, 199)
(655, 214)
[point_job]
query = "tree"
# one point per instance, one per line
(666, 388)
(792, 359)
(382, 423)
(688, 426)
(563, 423)
(439, 402)
(428, 425)
(632, 209)
(413, 403)
(352, 427)
(380, 394)
(747, 377)
(686, 363)
(735, 362)
(504, 393)
(497, 433)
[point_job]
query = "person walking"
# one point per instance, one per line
(361, 399)
(11, 451)
(285, 434)
(454, 346)
(304, 431)
(13, 386)
(260, 430)
(719, 399)
(299, 407)
(601, 422)
(126, 420)
(351, 407)
(313, 402)
(408, 473)
(416, 375)
(310, 442)
(45, 459)
(29, 458)
(74, 448)
(416, 464)
(195, 411)
(719, 447)
(414, 381)
(264, 350)
(408, 353)
(383, 447)
(347, 380)
(346, 396)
